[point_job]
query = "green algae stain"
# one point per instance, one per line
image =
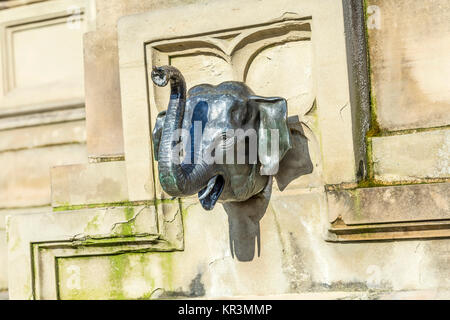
(93, 225)
(119, 264)
(128, 227)
(68, 207)
(167, 269)
(375, 129)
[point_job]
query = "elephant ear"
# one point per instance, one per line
(297, 161)
(274, 137)
(156, 134)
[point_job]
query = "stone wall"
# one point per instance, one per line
(104, 115)
(42, 118)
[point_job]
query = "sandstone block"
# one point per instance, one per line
(92, 183)
(25, 175)
(409, 62)
(39, 136)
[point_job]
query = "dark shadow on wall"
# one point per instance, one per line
(244, 217)
(243, 224)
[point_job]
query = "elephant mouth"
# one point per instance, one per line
(209, 195)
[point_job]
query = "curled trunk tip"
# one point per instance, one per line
(159, 76)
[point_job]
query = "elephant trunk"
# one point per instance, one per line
(176, 179)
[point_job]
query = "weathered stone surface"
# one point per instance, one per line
(293, 258)
(101, 61)
(409, 62)
(3, 248)
(128, 276)
(3, 261)
(73, 228)
(15, 3)
(41, 83)
(411, 157)
(92, 183)
(221, 256)
(25, 175)
(29, 116)
(8, 212)
(280, 250)
(37, 28)
(355, 295)
(4, 295)
(40, 136)
(332, 114)
(104, 128)
(422, 202)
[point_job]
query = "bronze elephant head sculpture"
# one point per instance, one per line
(194, 138)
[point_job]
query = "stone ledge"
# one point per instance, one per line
(389, 213)
(42, 117)
(36, 240)
(16, 3)
(42, 136)
(340, 232)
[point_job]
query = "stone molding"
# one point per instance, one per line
(141, 47)
(94, 232)
(7, 4)
(28, 103)
(386, 213)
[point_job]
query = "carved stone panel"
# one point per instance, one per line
(286, 50)
(41, 60)
(50, 265)
(265, 57)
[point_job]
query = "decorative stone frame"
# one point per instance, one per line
(82, 233)
(175, 25)
(237, 48)
(34, 107)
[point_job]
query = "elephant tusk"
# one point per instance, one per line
(209, 187)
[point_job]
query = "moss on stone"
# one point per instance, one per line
(147, 296)
(69, 207)
(119, 265)
(108, 240)
(128, 227)
(167, 268)
(92, 225)
(374, 128)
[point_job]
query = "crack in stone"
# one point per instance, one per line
(174, 217)
(127, 221)
(83, 237)
(218, 259)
